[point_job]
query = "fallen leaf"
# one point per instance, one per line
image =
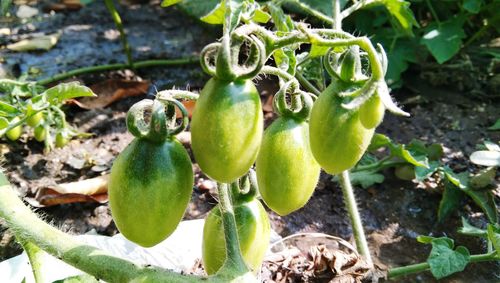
(42, 42)
(25, 12)
(89, 190)
(110, 91)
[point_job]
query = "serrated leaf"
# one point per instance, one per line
(450, 201)
(422, 173)
(483, 179)
(473, 6)
(216, 16)
(495, 126)
(494, 237)
(261, 16)
(445, 40)
(486, 158)
(379, 141)
(166, 3)
(444, 261)
(469, 230)
(61, 92)
(366, 179)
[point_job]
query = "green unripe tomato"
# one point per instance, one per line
(338, 138)
(40, 133)
(149, 189)
(254, 231)
(62, 139)
(14, 133)
(226, 128)
(35, 120)
(371, 113)
(287, 172)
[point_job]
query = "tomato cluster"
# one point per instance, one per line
(151, 180)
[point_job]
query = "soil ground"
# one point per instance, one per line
(394, 213)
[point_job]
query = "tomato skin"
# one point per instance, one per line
(35, 120)
(149, 189)
(287, 172)
(371, 113)
(338, 138)
(14, 133)
(226, 129)
(40, 133)
(254, 231)
(61, 139)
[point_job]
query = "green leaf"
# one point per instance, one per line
(7, 108)
(84, 278)
(473, 6)
(61, 92)
(425, 239)
(449, 202)
(445, 261)
(495, 126)
(166, 3)
(494, 237)
(198, 8)
(261, 16)
(216, 16)
(483, 179)
(366, 179)
(282, 21)
(422, 173)
(486, 201)
(401, 152)
(486, 158)
(445, 40)
(459, 180)
(322, 6)
(469, 230)
(402, 14)
(379, 141)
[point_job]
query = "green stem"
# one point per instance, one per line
(65, 247)
(419, 267)
(307, 84)
(356, 6)
(352, 209)
(337, 19)
(118, 22)
(234, 260)
(110, 67)
(35, 255)
(433, 12)
(315, 13)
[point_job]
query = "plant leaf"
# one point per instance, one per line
(445, 40)
(473, 6)
(43, 42)
(366, 179)
(422, 173)
(449, 202)
(61, 92)
(379, 141)
(486, 201)
(469, 230)
(486, 158)
(261, 16)
(483, 178)
(166, 3)
(494, 236)
(197, 8)
(216, 16)
(445, 261)
(402, 14)
(495, 126)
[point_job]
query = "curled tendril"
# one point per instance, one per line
(159, 127)
(330, 64)
(301, 102)
(213, 59)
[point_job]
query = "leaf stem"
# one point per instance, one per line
(419, 267)
(307, 84)
(110, 67)
(123, 37)
(352, 209)
(315, 13)
(35, 255)
(337, 19)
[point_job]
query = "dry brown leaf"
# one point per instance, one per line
(41, 42)
(64, 5)
(93, 186)
(110, 91)
(189, 105)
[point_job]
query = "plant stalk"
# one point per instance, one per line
(337, 19)
(234, 260)
(111, 67)
(420, 267)
(87, 258)
(352, 209)
(35, 255)
(123, 37)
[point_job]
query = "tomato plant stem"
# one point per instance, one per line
(352, 209)
(420, 267)
(234, 259)
(87, 258)
(111, 67)
(110, 5)
(35, 257)
(337, 19)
